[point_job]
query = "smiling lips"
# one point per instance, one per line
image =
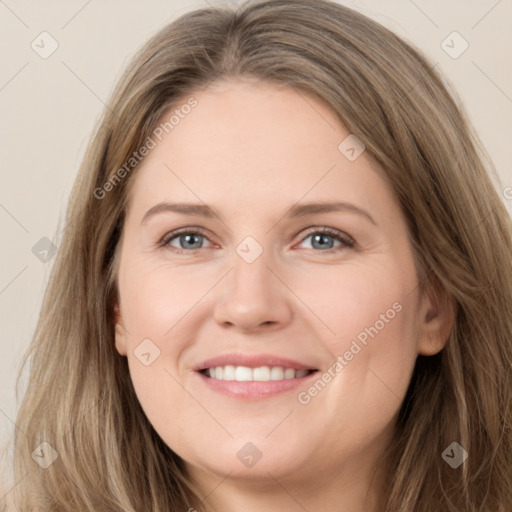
(252, 376)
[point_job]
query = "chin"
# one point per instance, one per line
(246, 459)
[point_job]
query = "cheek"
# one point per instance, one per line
(362, 303)
(156, 299)
(371, 315)
(155, 303)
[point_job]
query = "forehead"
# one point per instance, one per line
(255, 143)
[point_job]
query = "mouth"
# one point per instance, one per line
(253, 376)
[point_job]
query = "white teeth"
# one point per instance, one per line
(289, 373)
(260, 374)
(229, 372)
(242, 373)
(276, 373)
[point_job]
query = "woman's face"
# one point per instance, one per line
(245, 285)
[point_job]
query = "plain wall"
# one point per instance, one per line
(49, 106)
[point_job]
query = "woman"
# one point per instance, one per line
(337, 337)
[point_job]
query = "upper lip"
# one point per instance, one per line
(251, 361)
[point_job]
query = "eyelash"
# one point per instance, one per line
(347, 241)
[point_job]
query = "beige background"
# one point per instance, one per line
(48, 108)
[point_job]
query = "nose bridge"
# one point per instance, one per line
(251, 274)
(252, 295)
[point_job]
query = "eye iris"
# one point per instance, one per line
(322, 236)
(188, 237)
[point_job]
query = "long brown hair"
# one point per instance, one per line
(80, 399)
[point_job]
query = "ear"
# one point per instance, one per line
(437, 315)
(120, 332)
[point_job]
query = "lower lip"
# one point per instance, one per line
(254, 389)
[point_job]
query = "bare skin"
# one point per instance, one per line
(251, 151)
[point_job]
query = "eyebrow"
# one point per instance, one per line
(302, 210)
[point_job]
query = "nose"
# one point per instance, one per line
(253, 297)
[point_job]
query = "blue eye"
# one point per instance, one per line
(320, 235)
(190, 241)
